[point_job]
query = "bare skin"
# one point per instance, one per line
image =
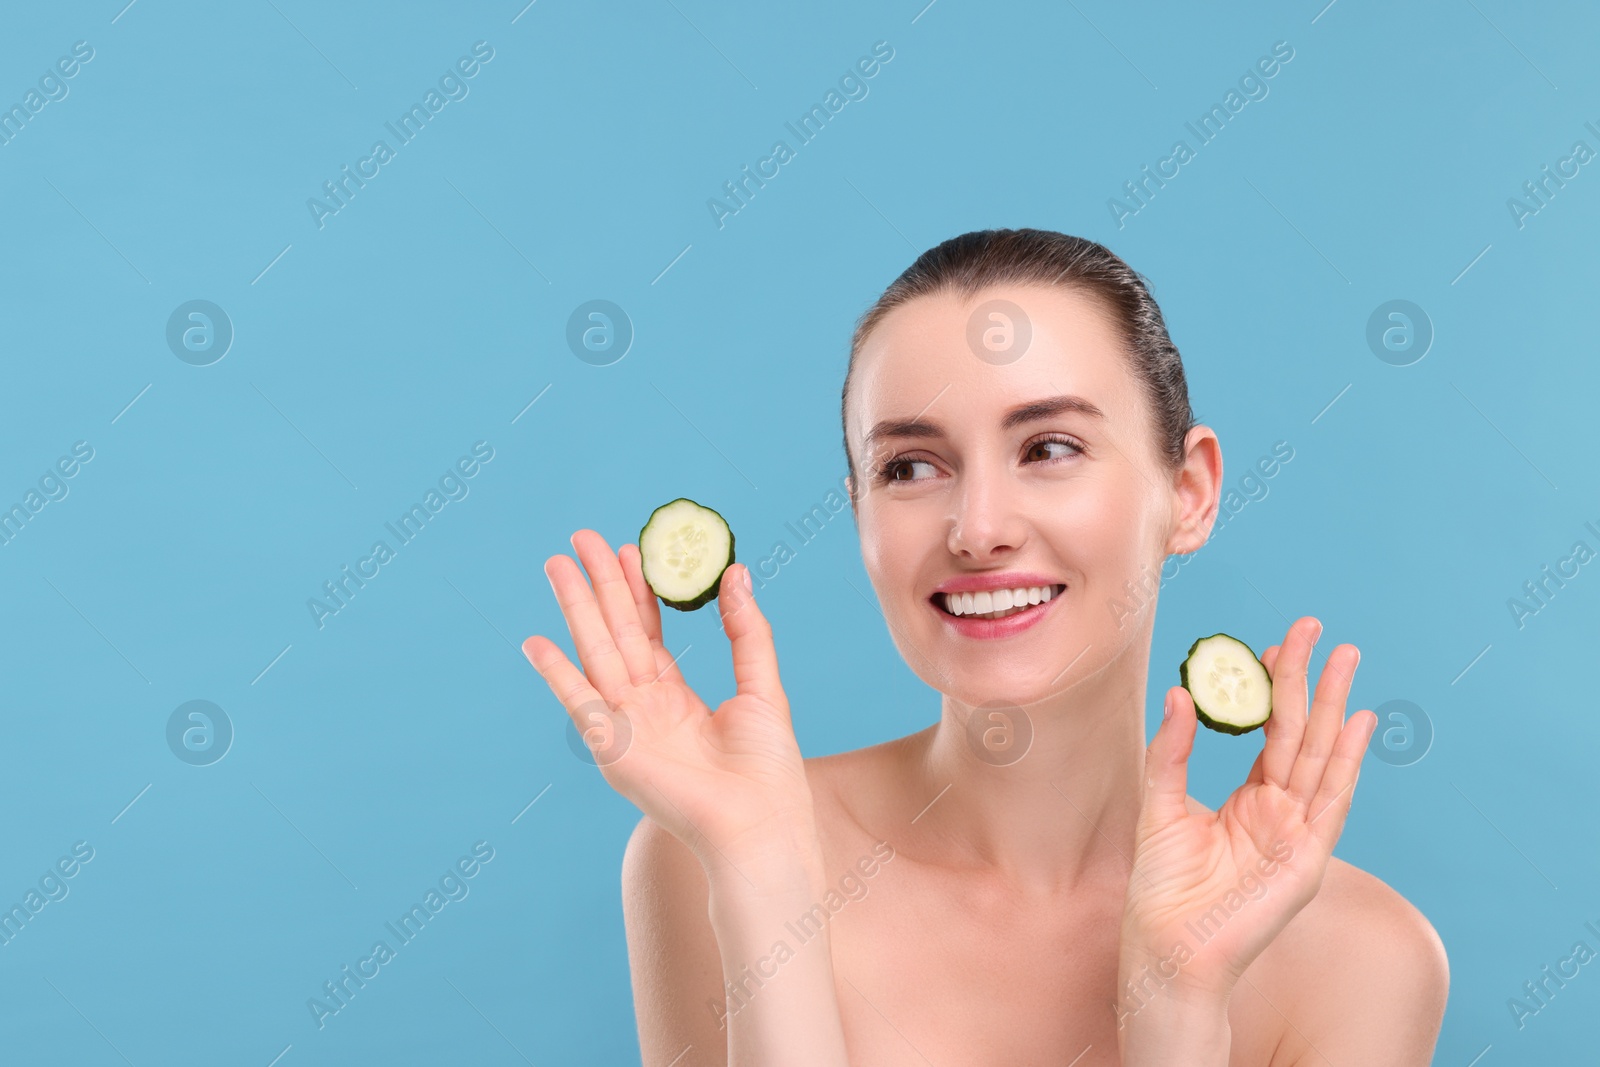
(981, 910)
(965, 967)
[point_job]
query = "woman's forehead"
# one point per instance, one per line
(992, 348)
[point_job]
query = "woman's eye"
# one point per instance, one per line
(892, 470)
(1041, 449)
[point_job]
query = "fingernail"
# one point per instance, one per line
(744, 574)
(1166, 712)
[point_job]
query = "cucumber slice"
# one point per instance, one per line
(1231, 688)
(683, 549)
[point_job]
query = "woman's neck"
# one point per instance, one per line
(1062, 813)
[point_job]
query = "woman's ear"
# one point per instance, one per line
(1196, 489)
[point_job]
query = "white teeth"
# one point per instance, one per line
(997, 603)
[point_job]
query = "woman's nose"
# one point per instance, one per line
(987, 521)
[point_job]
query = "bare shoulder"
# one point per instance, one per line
(1360, 927)
(1365, 973)
(1360, 973)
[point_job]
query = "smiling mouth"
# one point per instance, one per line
(984, 605)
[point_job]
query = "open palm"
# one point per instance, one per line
(1223, 884)
(729, 785)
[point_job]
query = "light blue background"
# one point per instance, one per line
(430, 311)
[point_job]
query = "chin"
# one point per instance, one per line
(993, 684)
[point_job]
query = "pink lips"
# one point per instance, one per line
(1015, 623)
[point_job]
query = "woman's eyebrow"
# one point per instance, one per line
(1035, 410)
(1032, 411)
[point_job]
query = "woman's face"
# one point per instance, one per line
(984, 464)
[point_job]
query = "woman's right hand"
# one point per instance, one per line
(732, 785)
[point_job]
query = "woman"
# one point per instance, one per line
(1022, 882)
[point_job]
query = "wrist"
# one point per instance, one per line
(762, 911)
(781, 858)
(1172, 1026)
(1139, 987)
(1183, 970)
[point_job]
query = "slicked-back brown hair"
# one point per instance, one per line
(974, 261)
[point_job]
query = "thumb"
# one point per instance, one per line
(1166, 764)
(755, 660)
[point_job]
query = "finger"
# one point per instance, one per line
(601, 659)
(1255, 776)
(1332, 802)
(1288, 720)
(755, 660)
(1269, 661)
(566, 682)
(617, 606)
(644, 599)
(1327, 720)
(1166, 763)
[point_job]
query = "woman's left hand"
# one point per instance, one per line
(1210, 890)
